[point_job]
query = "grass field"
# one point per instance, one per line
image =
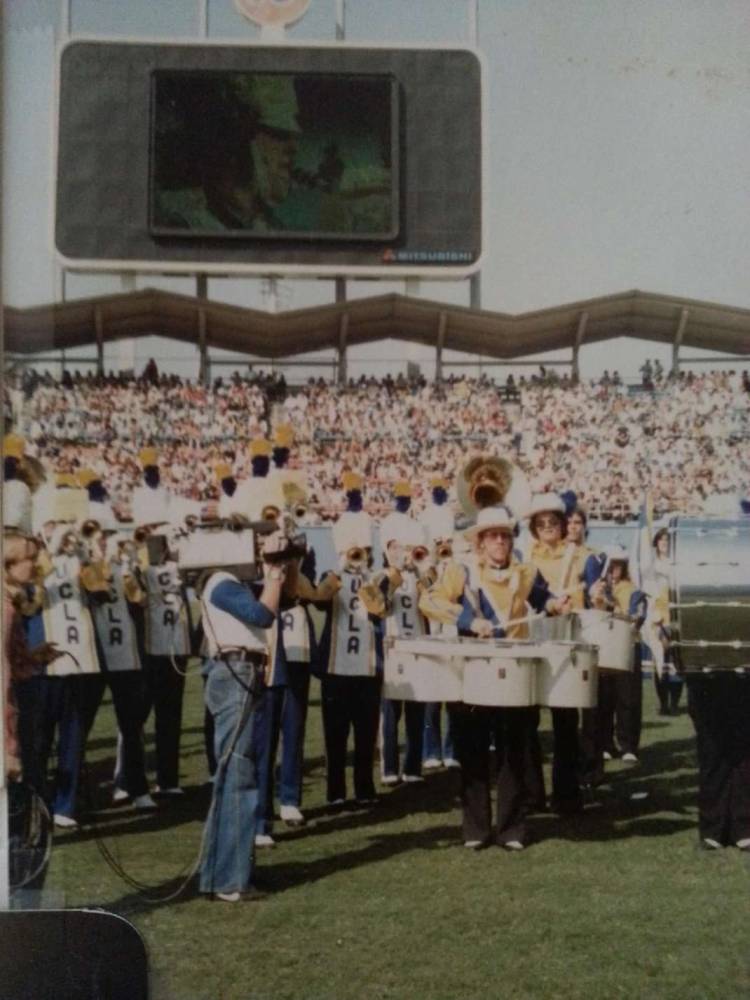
(386, 903)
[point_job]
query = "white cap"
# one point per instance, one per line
(616, 553)
(543, 502)
(491, 517)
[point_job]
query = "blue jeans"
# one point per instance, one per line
(228, 855)
(283, 713)
(49, 705)
(435, 747)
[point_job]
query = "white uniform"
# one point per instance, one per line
(167, 619)
(115, 629)
(150, 505)
(67, 621)
(352, 652)
(405, 620)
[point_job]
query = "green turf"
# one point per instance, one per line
(386, 903)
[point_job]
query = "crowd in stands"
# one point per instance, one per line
(682, 438)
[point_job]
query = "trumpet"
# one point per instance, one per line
(356, 556)
(270, 512)
(444, 549)
(419, 553)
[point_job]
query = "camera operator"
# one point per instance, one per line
(236, 624)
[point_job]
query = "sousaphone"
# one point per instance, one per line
(486, 481)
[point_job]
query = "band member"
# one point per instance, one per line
(656, 627)
(227, 488)
(260, 490)
(167, 645)
(719, 705)
(151, 502)
(61, 706)
(592, 761)
(236, 624)
(350, 654)
(487, 598)
(438, 747)
(557, 562)
(618, 710)
(404, 542)
(17, 502)
(282, 711)
(99, 506)
(20, 663)
(111, 587)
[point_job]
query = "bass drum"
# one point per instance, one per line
(710, 593)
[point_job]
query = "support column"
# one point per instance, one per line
(583, 320)
(204, 362)
(343, 334)
(475, 291)
(99, 330)
(340, 20)
(341, 289)
(677, 343)
(442, 323)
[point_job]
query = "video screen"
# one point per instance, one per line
(274, 155)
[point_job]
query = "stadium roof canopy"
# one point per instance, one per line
(208, 324)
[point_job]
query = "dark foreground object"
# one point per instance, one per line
(71, 954)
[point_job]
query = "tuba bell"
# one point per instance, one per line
(486, 481)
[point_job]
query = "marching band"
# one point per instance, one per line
(517, 609)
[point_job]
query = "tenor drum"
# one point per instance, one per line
(499, 673)
(557, 628)
(426, 669)
(710, 593)
(566, 675)
(613, 635)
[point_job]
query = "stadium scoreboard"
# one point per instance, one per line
(269, 159)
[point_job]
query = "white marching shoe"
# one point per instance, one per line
(144, 803)
(291, 815)
(264, 840)
(65, 822)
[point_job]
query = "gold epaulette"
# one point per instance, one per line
(96, 577)
(133, 590)
(325, 591)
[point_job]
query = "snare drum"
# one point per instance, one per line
(613, 635)
(499, 673)
(710, 593)
(426, 669)
(566, 675)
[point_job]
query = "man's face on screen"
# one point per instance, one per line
(273, 158)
